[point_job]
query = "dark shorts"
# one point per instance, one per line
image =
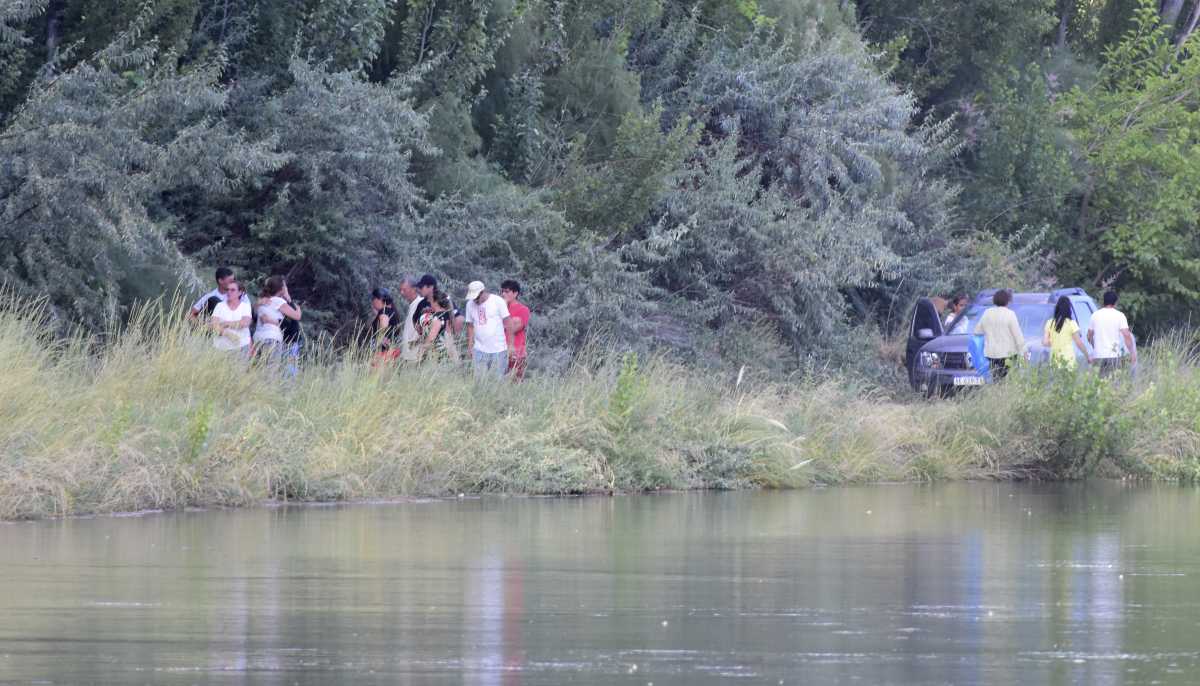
(1107, 365)
(998, 367)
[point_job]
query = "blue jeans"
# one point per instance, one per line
(493, 364)
(292, 359)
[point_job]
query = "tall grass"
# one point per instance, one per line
(155, 418)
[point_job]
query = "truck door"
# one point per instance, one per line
(924, 326)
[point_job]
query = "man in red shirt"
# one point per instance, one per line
(511, 290)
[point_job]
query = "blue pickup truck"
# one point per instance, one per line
(938, 355)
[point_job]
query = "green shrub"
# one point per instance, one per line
(1076, 417)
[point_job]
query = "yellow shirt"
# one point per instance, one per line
(1002, 337)
(1062, 343)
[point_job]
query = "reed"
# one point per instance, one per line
(149, 416)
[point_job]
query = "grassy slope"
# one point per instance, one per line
(157, 419)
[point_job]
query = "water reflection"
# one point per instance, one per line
(962, 584)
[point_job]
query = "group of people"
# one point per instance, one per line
(270, 330)
(431, 327)
(429, 330)
(1004, 343)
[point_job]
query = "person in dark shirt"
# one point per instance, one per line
(385, 324)
(426, 287)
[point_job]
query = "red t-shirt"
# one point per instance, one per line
(521, 312)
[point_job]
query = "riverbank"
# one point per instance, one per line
(156, 419)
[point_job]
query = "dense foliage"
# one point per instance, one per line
(664, 172)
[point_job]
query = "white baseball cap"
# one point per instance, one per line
(474, 289)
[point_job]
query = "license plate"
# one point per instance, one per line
(968, 381)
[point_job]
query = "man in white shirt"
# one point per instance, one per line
(489, 326)
(1110, 336)
(408, 335)
(224, 277)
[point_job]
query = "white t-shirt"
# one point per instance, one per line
(1106, 328)
(222, 313)
(408, 335)
(267, 331)
(488, 320)
(963, 325)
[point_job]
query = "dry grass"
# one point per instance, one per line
(155, 418)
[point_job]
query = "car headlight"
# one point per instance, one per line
(970, 360)
(930, 360)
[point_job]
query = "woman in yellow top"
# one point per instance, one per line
(1003, 341)
(1061, 333)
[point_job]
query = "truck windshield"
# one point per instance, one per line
(1032, 316)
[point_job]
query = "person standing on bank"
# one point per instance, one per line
(1003, 341)
(510, 290)
(384, 324)
(208, 301)
(231, 321)
(274, 305)
(1107, 332)
(489, 325)
(1061, 333)
(410, 339)
(437, 335)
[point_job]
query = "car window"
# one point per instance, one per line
(1083, 313)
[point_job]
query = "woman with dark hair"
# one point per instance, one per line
(231, 321)
(956, 319)
(437, 331)
(274, 305)
(1003, 341)
(1060, 333)
(385, 324)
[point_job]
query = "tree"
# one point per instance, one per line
(83, 157)
(950, 49)
(807, 193)
(1138, 131)
(338, 210)
(1017, 169)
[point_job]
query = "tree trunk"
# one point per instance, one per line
(1064, 18)
(1191, 26)
(1169, 11)
(54, 17)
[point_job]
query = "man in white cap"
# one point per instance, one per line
(489, 326)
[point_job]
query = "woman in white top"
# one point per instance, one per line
(274, 303)
(231, 320)
(1003, 341)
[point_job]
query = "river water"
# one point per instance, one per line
(951, 584)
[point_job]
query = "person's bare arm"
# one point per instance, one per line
(435, 330)
(1018, 336)
(1091, 337)
(1046, 336)
(510, 328)
(470, 338)
(290, 311)
(243, 323)
(1082, 348)
(1130, 345)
